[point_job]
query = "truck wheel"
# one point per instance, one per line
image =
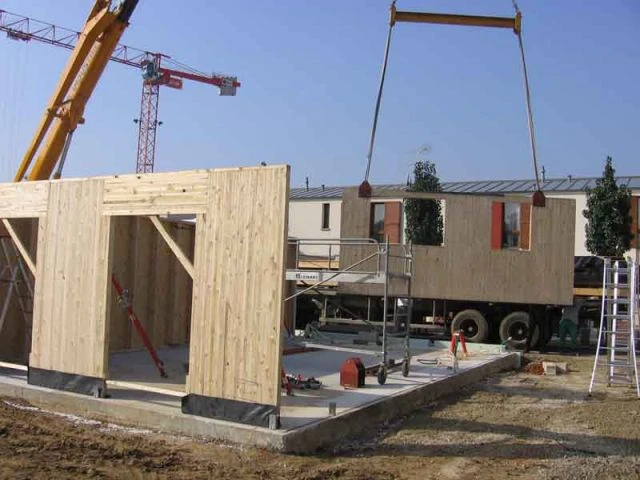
(516, 326)
(473, 324)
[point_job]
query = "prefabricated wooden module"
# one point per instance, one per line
(470, 264)
(503, 261)
(89, 228)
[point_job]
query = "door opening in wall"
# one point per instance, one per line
(18, 253)
(152, 260)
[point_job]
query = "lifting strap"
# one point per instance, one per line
(365, 187)
(527, 92)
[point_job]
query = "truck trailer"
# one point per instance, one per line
(502, 261)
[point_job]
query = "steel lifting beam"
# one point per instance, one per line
(514, 23)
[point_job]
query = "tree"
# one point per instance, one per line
(424, 217)
(608, 228)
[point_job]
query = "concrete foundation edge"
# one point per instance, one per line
(325, 434)
(307, 439)
(163, 422)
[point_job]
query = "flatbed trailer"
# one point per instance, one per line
(494, 322)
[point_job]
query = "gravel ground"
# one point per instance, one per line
(517, 425)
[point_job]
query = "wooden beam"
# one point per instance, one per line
(23, 199)
(156, 194)
(21, 249)
(14, 366)
(144, 388)
(587, 292)
(451, 19)
(175, 248)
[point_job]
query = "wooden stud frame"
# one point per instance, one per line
(238, 271)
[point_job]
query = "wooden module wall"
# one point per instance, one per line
(238, 283)
(240, 261)
(70, 302)
(465, 267)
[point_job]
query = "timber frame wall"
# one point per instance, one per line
(237, 269)
(159, 288)
(468, 266)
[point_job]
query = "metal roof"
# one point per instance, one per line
(328, 193)
(557, 185)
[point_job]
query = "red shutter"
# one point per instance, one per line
(392, 217)
(634, 221)
(525, 226)
(497, 212)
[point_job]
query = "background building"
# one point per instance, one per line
(315, 212)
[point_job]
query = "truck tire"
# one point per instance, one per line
(473, 324)
(516, 326)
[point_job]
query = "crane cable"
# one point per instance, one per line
(365, 187)
(527, 92)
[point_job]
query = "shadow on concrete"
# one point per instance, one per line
(144, 396)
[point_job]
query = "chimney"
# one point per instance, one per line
(306, 182)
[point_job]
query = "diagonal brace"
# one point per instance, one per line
(23, 251)
(175, 248)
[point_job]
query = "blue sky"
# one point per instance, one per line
(310, 72)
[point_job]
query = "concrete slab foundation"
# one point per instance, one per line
(307, 422)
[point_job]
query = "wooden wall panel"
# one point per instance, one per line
(466, 268)
(69, 328)
(180, 192)
(180, 327)
(21, 200)
(122, 237)
(236, 336)
(239, 262)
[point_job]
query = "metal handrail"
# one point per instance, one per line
(327, 241)
(331, 277)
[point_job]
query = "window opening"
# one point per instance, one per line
(326, 210)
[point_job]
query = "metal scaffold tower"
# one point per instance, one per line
(381, 263)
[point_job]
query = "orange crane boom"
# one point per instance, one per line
(101, 33)
(154, 73)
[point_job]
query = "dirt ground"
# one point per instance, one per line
(511, 426)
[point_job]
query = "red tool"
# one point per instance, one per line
(352, 373)
(123, 301)
(285, 382)
(458, 337)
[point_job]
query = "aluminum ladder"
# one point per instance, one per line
(615, 361)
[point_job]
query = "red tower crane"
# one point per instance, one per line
(155, 73)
